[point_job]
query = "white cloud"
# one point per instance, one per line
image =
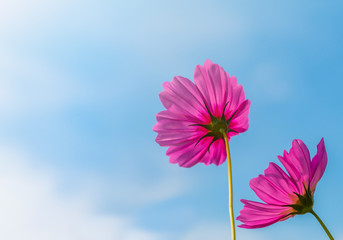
(137, 193)
(219, 230)
(147, 27)
(27, 84)
(14, 13)
(207, 231)
(137, 18)
(31, 207)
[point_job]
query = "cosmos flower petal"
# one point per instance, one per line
(186, 155)
(208, 79)
(280, 179)
(293, 173)
(267, 209)
(173, 131)
(301, 160)
(257, 215)
(218, 152)
(269, 192)
(261, 223)
(218, 88)
(318, 164)
(166, 121)
(181, 97)
(237, 96)
(170, 138)
(298, 164)
(240, 120)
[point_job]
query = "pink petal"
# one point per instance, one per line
(281, 180)
(217, 152)
(188, 155)
(175, 138)
(240, 119)
(174, 131)
(318, 164)
(237, 96)
(261, 223)
(297, 164)
(258, 215)
(269, 192)
(208, 80)
(218, 88)
(181, 97)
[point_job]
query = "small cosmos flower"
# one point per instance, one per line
(285, 195)
(198, 114)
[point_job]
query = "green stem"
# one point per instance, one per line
(323, 225)
(232, 220)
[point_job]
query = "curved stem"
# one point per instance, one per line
(232, 220)
(323, 225)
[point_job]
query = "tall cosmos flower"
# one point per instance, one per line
(286, 195)
(197, 115)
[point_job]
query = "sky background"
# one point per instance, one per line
(79, 85)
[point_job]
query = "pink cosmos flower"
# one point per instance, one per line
(285, 195)
(197, 115)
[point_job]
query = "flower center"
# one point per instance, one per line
(304, 203)
(217, 127)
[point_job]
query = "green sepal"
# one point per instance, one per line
(305, 202)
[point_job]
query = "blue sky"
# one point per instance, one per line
(79, 84)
